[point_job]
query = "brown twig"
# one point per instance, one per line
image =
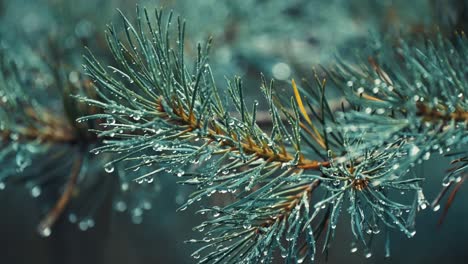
(431, 114)
(247, 145)
(50, 128)
(450, 200)
(48, 221)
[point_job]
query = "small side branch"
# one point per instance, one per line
(44, 227)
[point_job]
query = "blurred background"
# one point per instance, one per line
(281, 39)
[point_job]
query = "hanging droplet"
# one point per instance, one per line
(422, 202)
(110, 120)
(109, 167)
(368, 254)
(45, 231)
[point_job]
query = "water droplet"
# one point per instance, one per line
(281, 71)
(147, 205)
(45, 231)
(137, 219)
(284, 253)
(120, 206)
(426, 156)
(414, 150)
(35, 191)
(90, 222)
(110, 120)
(140, 180)
(109, 167)
(423, 206)
(72, 218)
(83, 225)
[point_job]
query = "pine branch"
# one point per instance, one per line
(163, 114)
(41, 148)
(45, 226)
(156, 110)
(418, 93)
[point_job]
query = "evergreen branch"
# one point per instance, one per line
(451, 198)
(38, 142)
(45, 226)
(178, 105)
(22, 118)
(165, 114)
(418, 93)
